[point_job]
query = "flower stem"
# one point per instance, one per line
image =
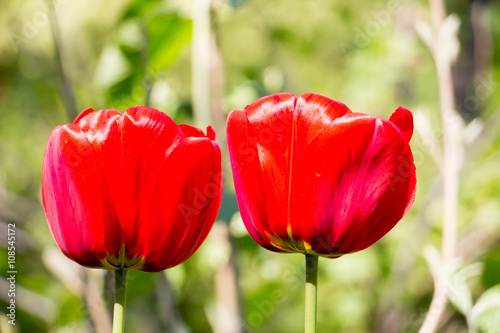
(311, 292)
(120, 298)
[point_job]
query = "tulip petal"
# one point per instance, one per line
(311, 176)
(113, 185)
(180, 204)
(261, 164)
(148, 136)
(270, 128)
(129, 147)
(277, 130)
(71, 192)
(359, 167)
(312, 114)
(403, 119)
(82, 114)
(191, 131)
(103, 131)
(246, 174)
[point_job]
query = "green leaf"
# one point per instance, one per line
(485, 315)
(112, 67)
(167, 34)
(491, 273)
(139, 8)
(123, 91)
(455, 278)
(459, 291)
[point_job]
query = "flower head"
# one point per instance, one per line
(313, 177)
(132, 191)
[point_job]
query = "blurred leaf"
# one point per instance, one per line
(122, 92)
(167, 34)
(72, 310)
(459, 291)
(491, 273)
(139, 8)
(433, 258)
(449, 28)
(112, 67)
(263, 303)
(455, 277)
(140, 284)
(123, 89)
(485, 315)
(360, 53)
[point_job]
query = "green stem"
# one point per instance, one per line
(311, 292)
(120, 298)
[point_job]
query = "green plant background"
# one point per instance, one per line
(366, 54)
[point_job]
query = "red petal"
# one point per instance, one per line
(82, 114)
(103, 131)
(354, 183)
(180, 204)
(191, 131)
(263, 160)
(309, 173)
(246, 175)
(129, 148)
(403, 119)
(210, 133)
(125, 193)
(148, 137)
(71, 191)
(261, 163)
(313, 113)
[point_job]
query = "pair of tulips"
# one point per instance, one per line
(136, 191)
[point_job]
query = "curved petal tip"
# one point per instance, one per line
(82, 114)
(403, 119)
(210, 133)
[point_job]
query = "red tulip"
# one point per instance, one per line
(133, 191)
(313, 177)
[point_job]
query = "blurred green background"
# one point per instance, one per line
(58, 58)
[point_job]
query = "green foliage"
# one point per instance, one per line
(486, 312)
(137, 8)
(363, 53)
(167, 34)
(491, 273)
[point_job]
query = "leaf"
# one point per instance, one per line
(424, 31)
(139, 8)
(122, 91)
(449, 34)
(112, 67)
(167, 34)
(129, 86)
(458, 290)
(485, 315)
(491, 273)
(454, 277)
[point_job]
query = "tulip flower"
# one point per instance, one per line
(132, 191)
(313, 177)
